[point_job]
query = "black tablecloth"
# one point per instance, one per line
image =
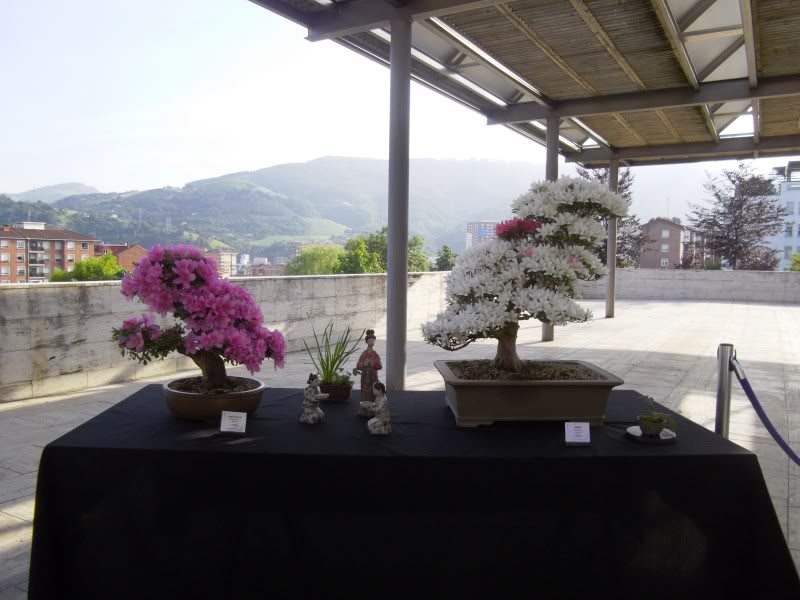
(137, 504)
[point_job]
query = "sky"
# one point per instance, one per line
(139, 95)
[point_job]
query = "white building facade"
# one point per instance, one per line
(787, 188)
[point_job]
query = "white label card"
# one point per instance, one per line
(234, 422)
(577, 434)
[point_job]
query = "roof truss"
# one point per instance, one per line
(712, 92)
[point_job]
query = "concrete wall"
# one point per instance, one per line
(676, 284)
(55, 337)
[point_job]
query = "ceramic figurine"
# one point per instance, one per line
(312, 413)
(369, 363)
(381, 423)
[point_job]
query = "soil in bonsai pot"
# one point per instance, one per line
(532, 370)
(195, 385)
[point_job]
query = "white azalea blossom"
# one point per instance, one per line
(529, 274)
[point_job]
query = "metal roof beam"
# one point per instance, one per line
(711, 92)
(749, 40)
(712, 34)
(719, 60)
(364, 15)
(694, 13)
(738, 146)
(673, 34)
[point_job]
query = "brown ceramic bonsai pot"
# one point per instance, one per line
(482, 402)
(209, 407)
(336, 392)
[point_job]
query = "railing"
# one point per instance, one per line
(728, 365)
(38, 261)
(36, 246)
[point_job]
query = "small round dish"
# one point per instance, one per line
(322, 396)
(667, 436)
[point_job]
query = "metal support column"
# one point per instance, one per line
(724, 354)
(551, 174)
(611, 244)
(397, 256)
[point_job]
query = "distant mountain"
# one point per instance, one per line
(444, 194)
(328, 198)
(53, 193)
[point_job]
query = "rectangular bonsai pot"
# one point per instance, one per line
(482, 402)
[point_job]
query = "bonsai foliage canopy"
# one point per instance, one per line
(530, 271)
(221, 321)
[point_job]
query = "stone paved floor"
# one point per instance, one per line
(664, 349)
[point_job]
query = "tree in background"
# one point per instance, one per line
(445, 259)
(357, 258)
(740, 216)
(760, 258)
(631, 238)
(96, 268)
(367, 253)
(795, 262)
(315, 260)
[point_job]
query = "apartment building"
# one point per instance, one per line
(787, 192)
(226, 261)
(30, 251)
(127, 255)
(665, 249)
(479, 231)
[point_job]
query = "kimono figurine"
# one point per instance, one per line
(381, 423)
(369, 363)
(312, 413)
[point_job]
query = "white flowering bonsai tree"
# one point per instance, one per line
(530, 270)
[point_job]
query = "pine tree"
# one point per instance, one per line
(740, 216)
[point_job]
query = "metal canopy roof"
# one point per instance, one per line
(638, 81)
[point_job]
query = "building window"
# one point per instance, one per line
(70, 258)
(664, 262)
(787, 251)
(665, 247)
(59, 245)
(21, 271)
(789, 230)
(665, 233)
(5, 271)
(5, 281)
(46, 245)
(790, 208)
(70, 245)
(20, 258)
(4, 257)
(46, 270)
(58, 258)
(84, 245)
(3, 243)
(84, 256)
(20, 244)
(70, 269)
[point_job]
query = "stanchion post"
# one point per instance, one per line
(724, 355)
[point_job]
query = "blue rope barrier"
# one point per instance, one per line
(751, 395)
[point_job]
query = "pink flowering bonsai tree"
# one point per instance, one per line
(218, 321)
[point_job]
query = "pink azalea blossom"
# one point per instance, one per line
(516, 228)
(221, 317)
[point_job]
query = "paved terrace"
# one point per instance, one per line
(664, 349)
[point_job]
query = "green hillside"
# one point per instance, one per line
(325, 199)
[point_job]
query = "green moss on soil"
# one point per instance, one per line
(531, 371)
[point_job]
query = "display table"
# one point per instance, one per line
(136, 504)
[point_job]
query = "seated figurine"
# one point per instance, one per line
(312, 413)
(381, 423)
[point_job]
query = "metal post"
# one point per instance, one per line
(397, 252)
(551, 173)
(724, 355)
(611, 245)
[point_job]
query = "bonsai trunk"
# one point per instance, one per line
(506, 357)
(213, 368)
